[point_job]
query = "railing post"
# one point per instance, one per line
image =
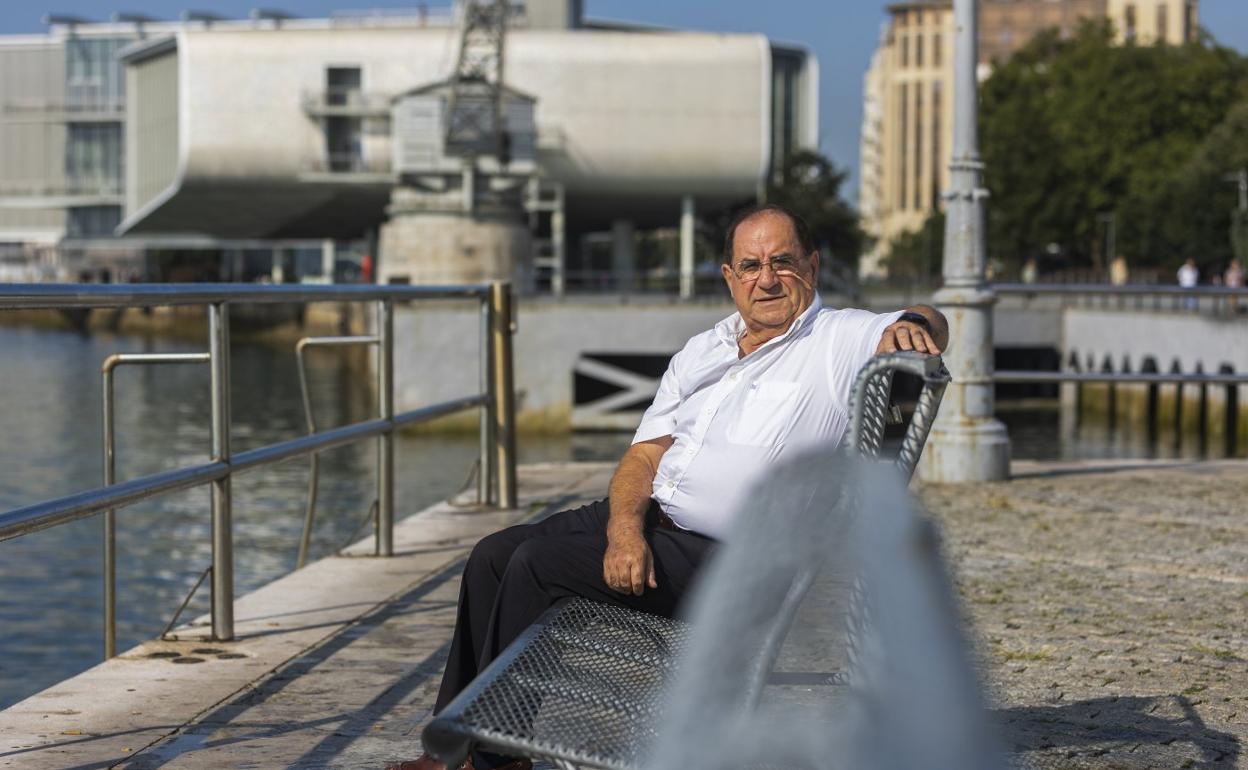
(1151, 407)
(1230, 415)
(385, 445)
(222, 514)
(1203, 412)
(504, 394)
(110, 521)
(488, 472)
(1178, 407)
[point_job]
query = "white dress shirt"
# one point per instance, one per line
(732, 419)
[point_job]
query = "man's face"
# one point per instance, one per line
(770, 302)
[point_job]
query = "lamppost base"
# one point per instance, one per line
(966, 451)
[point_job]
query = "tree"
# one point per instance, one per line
(1202, 199)
(1075, 129)
(918, 255)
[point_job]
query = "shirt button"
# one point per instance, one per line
(671, 484)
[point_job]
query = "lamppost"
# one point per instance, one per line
(967, 442)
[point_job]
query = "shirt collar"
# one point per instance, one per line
(730, 330)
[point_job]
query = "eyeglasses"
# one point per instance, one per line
(750, 269)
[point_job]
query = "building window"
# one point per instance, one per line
(937, 44)
(1189, 22)
(343, 134)
(786, 71)
(94, 78)
(905, 51)
(1163, 23)
(1129, 23)
(918, 146)
(937, 144)
(93, 157)
(342, 86)
(92, 221)
(903, 145)
(918, 51)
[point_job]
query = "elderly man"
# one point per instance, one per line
(765, 383)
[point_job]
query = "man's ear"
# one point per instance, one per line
(814, 264)
(727, 273)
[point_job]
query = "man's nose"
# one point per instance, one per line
(767, 276)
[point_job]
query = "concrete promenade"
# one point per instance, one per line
(1107, 600)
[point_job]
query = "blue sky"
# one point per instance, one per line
(842, 33)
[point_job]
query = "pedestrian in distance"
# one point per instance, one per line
(1233, 278)
(1189, 278)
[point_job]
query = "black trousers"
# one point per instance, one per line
(516, 574)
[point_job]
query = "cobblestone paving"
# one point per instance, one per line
(1110, 607)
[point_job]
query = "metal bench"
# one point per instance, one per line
(583, 686)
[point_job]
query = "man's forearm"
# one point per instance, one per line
(629, 495)
(940, 326)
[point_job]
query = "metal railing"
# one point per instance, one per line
(1229, 380)
(496, 402)
(1205, 298)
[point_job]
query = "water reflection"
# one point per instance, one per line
(50, 582)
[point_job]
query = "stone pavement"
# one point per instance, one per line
(1107, 599)
(1110, 603)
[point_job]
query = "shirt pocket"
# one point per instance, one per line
(766, 414)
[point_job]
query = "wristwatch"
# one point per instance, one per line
(917, 318)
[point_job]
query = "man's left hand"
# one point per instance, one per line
(907, 335)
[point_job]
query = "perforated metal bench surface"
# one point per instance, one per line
(581, 685)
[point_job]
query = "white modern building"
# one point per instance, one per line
(282, 129)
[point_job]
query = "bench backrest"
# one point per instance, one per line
(798, 523)
(869, 413)
(869, 406)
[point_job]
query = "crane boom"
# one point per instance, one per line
(474, 114)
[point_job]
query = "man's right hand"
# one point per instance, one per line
(628, 566)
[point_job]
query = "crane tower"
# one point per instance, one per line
(463, 156)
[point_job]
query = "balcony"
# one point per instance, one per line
(59, 193)
(60, 112)
(348, 167)
(345, 102)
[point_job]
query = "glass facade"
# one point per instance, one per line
(92, 221)
(94, 78)
(786, 68)
(94, 83)
(93, 157)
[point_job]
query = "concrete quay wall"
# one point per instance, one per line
(617, 347)
(1188, 340)
(1125, 341)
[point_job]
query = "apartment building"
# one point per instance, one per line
(906, 141)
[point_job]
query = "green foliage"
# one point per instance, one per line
(1074, 129)
(810, 184)
(917, 255)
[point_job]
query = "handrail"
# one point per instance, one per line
(314, 469)
(110, 476)
(496, 403)
(1130, 290)
(78, 295)
(1123, 378)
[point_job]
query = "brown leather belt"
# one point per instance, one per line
(659, 519)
